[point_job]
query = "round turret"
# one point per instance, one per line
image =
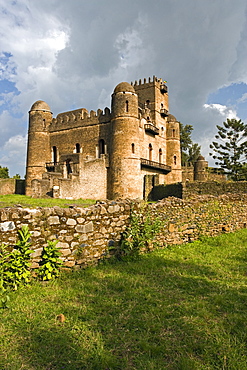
(124, 101)
(173, 149)
(200, 169)
(38, 150)
(171, 118)
(40, 105)
(124, 87)
(172, 130)
(123, 174)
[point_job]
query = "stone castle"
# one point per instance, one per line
(119, 153)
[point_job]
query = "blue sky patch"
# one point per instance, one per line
(234, 95)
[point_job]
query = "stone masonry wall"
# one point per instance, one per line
(85, 234)
(12, 186)
(214, 187)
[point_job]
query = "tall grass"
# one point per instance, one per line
(183, 307)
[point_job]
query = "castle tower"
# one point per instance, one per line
(40, 117)
(173, 154)
(200, 167)
(124, 178)
(153, 94)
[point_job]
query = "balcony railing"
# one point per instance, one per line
(59, 167)
(149, 127)
(155, 165)
(163, 112)
(54, 167)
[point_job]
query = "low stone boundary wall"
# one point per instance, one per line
(213, 187)
(85, 234)
(12, 186)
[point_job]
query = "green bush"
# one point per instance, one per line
(16, 264)
(139, 236)
(50, 261)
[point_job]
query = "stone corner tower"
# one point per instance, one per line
(173, 154)
(38, 153)
(124, 174)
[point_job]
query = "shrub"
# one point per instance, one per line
(15, 265)
(139, 236)
(50, 261)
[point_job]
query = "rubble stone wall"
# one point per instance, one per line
(214, 188)
(85, 234)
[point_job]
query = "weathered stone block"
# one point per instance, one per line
(65, 252)
(80, 220)
(7, 226)
(114, 208)
(35, 234)
(87, 228)
(62, 245)
(37, 253)
(69, 263)
(71, 222)
(53, 220)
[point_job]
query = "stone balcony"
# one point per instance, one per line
(163, 112)
(146, 163)
(163, 88)
(149, 127)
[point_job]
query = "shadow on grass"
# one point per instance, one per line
(156, 313)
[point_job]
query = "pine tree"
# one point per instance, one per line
(230, 149)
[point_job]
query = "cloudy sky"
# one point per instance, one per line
(72, 54)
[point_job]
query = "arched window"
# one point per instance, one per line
(150, 149)
(126, 106)
(54, 154)
(175, 159)
(147, 103)
(160, 155)
(77, 148)
(101, 147)
(173, 132)
(133, 148)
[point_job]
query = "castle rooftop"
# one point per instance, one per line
(124, 87)
(41, 105)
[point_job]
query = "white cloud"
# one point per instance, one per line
(14, 155)
(243, 98)
(225, 111)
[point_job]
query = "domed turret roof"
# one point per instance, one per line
(124, 87)
(200, 158)
(40, 105)
(171, 118)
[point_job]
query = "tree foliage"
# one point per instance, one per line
(189, 151)
(230, 149)
(4, 172)
(17, 176)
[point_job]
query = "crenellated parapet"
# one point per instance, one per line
(78, 118)
(148, 82)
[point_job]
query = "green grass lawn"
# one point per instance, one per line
(25, 201)
(183, 307)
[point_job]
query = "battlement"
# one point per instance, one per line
(80, 117)
(147, 82)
